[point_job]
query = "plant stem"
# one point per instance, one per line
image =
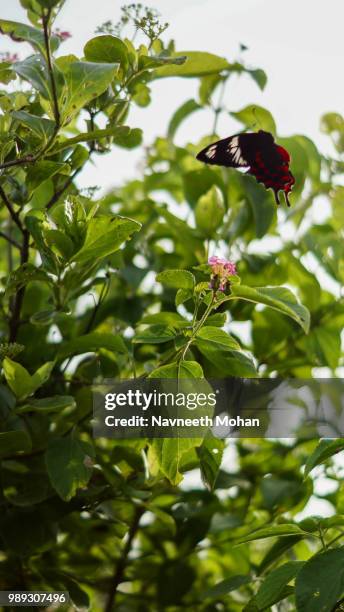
(122, 562)
(11, 210)
(45, 21)
(14, 322)
(10, 240)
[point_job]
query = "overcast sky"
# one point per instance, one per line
(298, 43)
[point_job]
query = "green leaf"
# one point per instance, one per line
(106, 48)
(186, 109)
(34, 70)
(210, 457)
(197, 64)
(67, 461)
(279, 298)
(213, 338)
(186, 369)
(6, 72)
(42, 375)
(168, 454)
(209, 211)
(286, 529)
(90, 343)
(320, 583)
(84, 81)
(256, 117)
(18, 378)
(225, 586)
(148, 61)
(122, 136)
(259, 76)
(13, 442)
(48, 404)
(42, 170)
(155, 334)
(324, 450)
(24, 32)
(176, 279)
(262, 203)
(272, 589)
(104, 236)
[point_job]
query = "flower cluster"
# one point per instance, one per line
(62, 35)
(6, 56)
(221, 271)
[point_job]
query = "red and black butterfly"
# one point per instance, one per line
(257, 151)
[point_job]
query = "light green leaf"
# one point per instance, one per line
(197, 63)
(84, 82)
(104, 236)
(279, 298)
(67, 461)
(106, 48)
(324, 450)
(119, 133)
(186, 109)
(210, 457)
(186, 369)
(209, 211)
(90, 343)
(18, 378)
(286, 529)
(13, 442)
(168, 454)
(176, 279)
(320, 583)
(256, 117)
(24, 32)
(210, 337)
(42, 375)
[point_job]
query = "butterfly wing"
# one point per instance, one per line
(258, 152)
(227, 152)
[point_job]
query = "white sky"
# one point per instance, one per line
(298, 43)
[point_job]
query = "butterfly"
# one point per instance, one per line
(257, 151)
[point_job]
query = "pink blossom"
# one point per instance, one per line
(9, 57)
(221, 271)
(62, 35)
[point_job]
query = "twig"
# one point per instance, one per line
(18, 301)
(61, 191)
(11, 210)
(122, 562)
(45, 22)
(10, 240)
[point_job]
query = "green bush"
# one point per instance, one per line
(110, 521)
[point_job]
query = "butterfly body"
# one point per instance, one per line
(257, 151)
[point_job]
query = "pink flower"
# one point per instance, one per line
(221, 271)
(62, 35)
(9, 57)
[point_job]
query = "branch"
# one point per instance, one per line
(60, 192)
(14, 323)
(10, 240)
(45, 21)
(122, 562)
(11, 210)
